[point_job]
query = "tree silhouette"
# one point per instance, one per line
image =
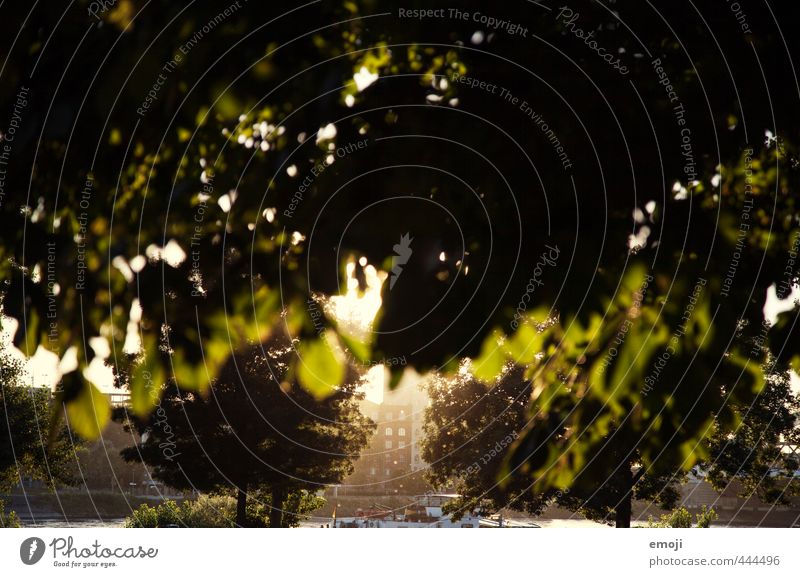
(255, 430)
(752, 452)
(471, 431)
(25, 449)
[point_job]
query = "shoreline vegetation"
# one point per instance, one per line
(105, 507)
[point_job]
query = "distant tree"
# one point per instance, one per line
(470, 432)
(752, 452)
(623, 480)
(470, 429)
(25, 449)
(254, 431)
(101, 463)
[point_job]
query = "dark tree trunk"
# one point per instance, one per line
(624, 511)
(276, 511)
(241, 506)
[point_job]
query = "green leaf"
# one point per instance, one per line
(632, 282)
(89, 412)
(636, 356)
(147, 378)
(784, 338)
(27, 338)
(525, 344)
(262, 307)
(395, 376)
(320, 369)
(198, 377)
(489, 364)
(359, 349)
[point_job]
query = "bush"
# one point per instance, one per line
(145, 517)
(10, 520)
(203, 512)
(299, 505)
(682, 519)
(210, 511)
(705, 517)
(219, 511)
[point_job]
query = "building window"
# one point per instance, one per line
(373, 471)
(401, 432)
(388, 432)
(388, 444)
(401, 445)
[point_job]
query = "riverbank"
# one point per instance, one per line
(67, 508)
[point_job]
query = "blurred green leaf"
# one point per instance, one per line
(320, 369)
(89, 412)
(395, 376)
(525, 344)
(147, 378)
(359, 349)
(489, 364)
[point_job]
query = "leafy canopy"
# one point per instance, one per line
(194, 176)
